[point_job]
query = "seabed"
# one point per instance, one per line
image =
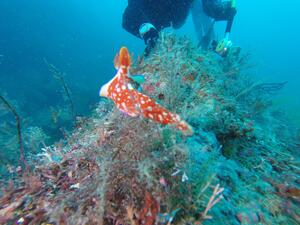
(241, 165)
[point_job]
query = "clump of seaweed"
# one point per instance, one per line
(240, 167)
(58, 75)
(18, 126)
(16, 142)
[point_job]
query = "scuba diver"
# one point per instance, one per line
(146, 18)
(204, 17)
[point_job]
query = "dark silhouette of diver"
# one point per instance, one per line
(145, 18)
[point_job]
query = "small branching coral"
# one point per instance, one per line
(213, 200)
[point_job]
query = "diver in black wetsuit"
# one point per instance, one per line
(205, 14)
(145, 18)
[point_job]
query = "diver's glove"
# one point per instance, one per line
(223, 47)
(150, 35)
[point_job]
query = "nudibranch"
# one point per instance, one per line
(134, 103)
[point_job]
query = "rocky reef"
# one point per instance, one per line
(241, 165)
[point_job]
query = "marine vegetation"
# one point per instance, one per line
(18, 126)
(58, 75)
(24, 129)
(240, 165)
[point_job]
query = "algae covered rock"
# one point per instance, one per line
(237, 168)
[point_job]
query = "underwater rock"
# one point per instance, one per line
(115, 169)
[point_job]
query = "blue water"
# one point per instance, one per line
(271, 31)
(82, 38)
